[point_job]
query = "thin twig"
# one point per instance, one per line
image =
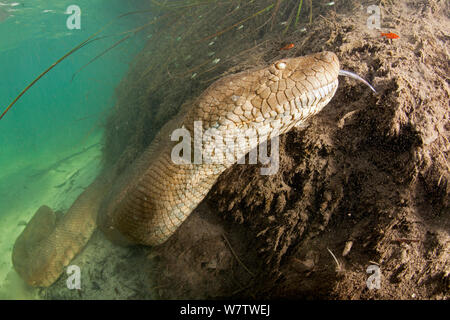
(235, 255)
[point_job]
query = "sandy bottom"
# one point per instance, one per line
(54, 179)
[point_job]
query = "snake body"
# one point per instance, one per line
(148, 202)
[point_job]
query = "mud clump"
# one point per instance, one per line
(366, 183)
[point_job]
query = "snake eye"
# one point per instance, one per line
(280, 65)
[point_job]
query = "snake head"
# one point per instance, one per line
(275, 97)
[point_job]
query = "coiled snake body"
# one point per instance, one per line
(154, 196)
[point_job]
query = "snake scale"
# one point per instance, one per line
(150, 200)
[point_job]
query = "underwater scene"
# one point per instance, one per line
(224, 149)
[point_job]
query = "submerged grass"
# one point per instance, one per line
(238, 23)
(179, 9)
(299, 9)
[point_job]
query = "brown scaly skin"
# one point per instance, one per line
(154, 196)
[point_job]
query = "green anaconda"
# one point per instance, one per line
(150, 200)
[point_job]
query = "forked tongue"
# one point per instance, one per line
(355, 76)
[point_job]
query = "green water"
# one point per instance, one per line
(53, 132)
